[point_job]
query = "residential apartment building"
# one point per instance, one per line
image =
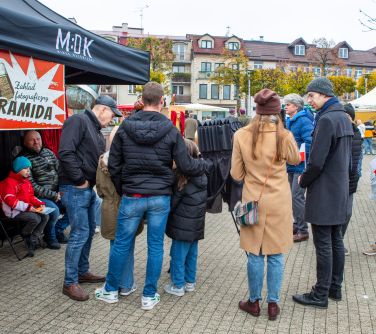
(207, 56)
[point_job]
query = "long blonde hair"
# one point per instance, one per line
(194, 153)
(256, 127)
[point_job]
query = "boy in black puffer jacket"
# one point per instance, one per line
(185, 226)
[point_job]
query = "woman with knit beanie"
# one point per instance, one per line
(260, 152)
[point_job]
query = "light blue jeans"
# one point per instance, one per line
(49, 230)
(131, 211)
(274, 276)
(80, 206)
(183, 262)
(368, 145)
(127, 277)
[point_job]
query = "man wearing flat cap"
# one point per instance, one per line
(80, 147)
(326, 179)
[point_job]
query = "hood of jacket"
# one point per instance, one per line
(302, 113)
(147, 127)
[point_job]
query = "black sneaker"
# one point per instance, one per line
(30, 246)
(53, 245)
(61, 238)
(335, 295)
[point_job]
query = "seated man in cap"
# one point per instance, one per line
(81, 145)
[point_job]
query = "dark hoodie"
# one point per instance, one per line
(142, 153)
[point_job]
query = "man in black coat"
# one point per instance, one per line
(140, 164)
(81, 145)
(327, 181)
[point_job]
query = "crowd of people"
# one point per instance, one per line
(304, 169)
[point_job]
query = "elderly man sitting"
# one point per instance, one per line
(44, 177)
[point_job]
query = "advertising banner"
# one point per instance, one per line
(32, 93)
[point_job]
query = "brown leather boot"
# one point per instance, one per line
(273, 311)
(75, 292)
(91, 278)
(251, 308)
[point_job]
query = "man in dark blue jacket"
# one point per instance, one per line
(81, 145)
(327, 181)
(300, 123)
(140, 164)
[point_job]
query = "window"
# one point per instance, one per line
(299, 50)
(358, 73)
(368, 71)
(214, 92)
(307, 69)
(132, 89)
(235, 67)
(178, 90)
(258, 65)
(233, 45)
(227, 92)
(179, 50)
(203, 91)
(178, 69)
(317, 71)
(216, 65)
(205, 44)
(337, 72)
(293, 68)
(348, 72)
(205, 67)
(343, 53)
(236, 91)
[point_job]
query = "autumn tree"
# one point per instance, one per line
(233, 72)
(297, 82)
(371, 83)
(273, 78)
(342, 84)
(161, 56)
(324, 55)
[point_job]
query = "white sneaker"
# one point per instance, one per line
(173, 290)
(127, 292)
(97, 230)
(147, 303)
(107, 296)
(190, 287)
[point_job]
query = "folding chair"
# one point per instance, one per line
(10, 229)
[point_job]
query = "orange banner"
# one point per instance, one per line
(32, 93)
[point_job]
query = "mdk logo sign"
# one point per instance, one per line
(73, 45)
(32, 93)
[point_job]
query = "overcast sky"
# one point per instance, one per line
(276, 20)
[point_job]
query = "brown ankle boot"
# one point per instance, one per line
(75, 292)
(251, 308)
(273, 311)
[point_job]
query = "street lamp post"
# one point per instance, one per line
(249, 111)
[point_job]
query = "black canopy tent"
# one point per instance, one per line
(29, 28)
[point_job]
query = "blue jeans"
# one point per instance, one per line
(275, 269)
(127, 278)
(183, 263)
(131, 211)
(368, 145)
(98, 211)
(80, 206)
(49, 230)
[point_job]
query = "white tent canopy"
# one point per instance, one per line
(367, 101)
(201, 107)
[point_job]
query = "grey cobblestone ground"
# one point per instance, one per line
(31, 300)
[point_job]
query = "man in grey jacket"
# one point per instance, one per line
(327, 181)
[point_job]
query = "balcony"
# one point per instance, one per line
(183, 57)
(181, 77)
(182, 99)
(205, 75)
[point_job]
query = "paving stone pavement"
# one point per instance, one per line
(31, 300)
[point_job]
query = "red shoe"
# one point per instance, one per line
(251, 308)
(273, 311)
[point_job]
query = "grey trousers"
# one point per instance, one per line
(298, 203)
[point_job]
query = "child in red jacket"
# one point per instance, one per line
(18, 202)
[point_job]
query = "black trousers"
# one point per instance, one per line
(330, 258)
(32, 223)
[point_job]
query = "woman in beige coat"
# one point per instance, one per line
(260, 152)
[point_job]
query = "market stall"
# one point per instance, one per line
(41, 52)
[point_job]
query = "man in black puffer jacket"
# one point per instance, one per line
(356, 165)
(140, 165)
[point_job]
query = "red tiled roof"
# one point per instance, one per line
(219, 44)
(280, 52)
